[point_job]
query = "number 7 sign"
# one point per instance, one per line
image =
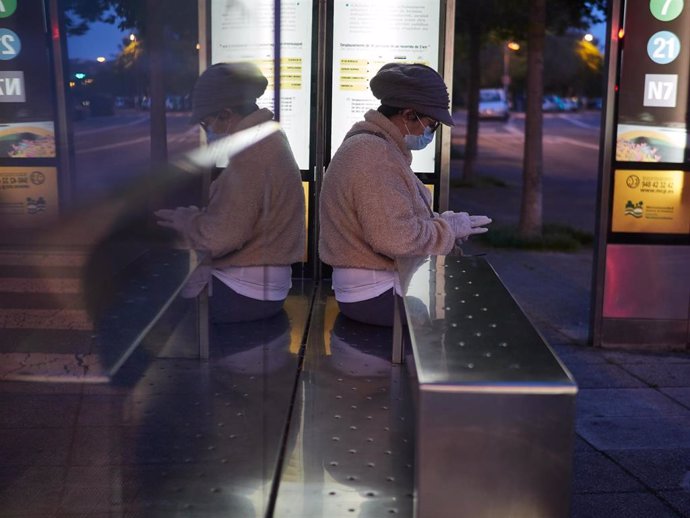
(7, 8)
(666, 10)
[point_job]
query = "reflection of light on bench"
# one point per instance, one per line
(349, 446)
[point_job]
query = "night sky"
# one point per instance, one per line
(103, 39)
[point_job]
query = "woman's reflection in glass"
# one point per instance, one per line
(254, 223)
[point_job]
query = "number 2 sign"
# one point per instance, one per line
(10, 45)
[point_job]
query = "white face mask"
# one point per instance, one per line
(417, 142)
(212, 136)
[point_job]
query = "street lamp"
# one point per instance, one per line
(588, 37)
(100, 59)
(132, 37)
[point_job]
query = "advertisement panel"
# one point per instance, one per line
(655, 202)
(28, 196)
(27, 140)
(363, 41)
(242, 30)
(653, 88)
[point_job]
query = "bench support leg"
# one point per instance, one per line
(203, 324)
(398, 332)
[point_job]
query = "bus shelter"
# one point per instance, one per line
(641, 294)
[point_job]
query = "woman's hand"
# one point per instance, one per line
(176, 218)
(464, 225)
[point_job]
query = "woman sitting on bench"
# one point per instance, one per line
(373, 208)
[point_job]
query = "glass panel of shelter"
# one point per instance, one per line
(107, 293)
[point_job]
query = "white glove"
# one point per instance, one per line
(464, 225)
(176, 218)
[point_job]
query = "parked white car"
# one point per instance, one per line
(493, 104)
(552, 103)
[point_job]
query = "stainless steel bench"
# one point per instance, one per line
(495, 409)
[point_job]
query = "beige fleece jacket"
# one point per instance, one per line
(255, 215)
(373, 208)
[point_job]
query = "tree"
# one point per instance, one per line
(572, 66)
(471, 21)
(159, 25)
(129, 69)
(513, 20)
(561, 15)
(531, 206)
(592, 67)
(155, 29)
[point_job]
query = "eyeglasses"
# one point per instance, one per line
(205, 124)
(433, 126)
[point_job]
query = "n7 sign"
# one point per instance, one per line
(660, 90)
(12, 87)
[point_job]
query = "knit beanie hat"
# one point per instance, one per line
(405, 85)
(225, 85)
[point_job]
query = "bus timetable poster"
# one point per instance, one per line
(363, 41)
(242, 30)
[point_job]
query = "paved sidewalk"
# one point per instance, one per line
(632, 453)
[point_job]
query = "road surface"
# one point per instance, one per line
(113, 151)
(571, 168)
